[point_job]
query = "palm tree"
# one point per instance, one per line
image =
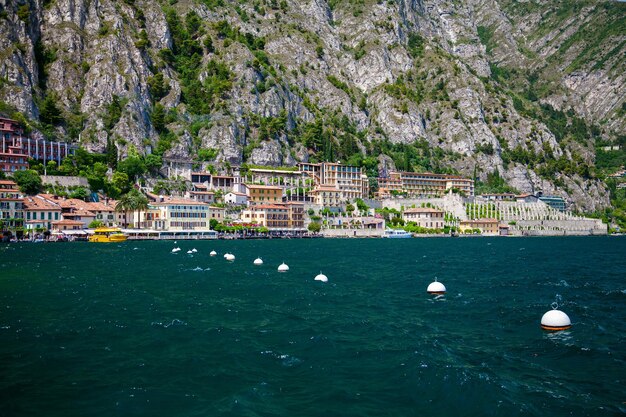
(133, 201)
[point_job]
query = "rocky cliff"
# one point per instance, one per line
(524, 88)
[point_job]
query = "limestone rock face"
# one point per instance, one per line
(325, 83)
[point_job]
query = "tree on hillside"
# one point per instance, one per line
(133, 201)
(28, 180)
(314, 227)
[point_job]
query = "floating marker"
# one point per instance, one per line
(283, 267)
(213, 253)
(190, 252)
(555, 320)
(258, 261)
(436, 288)
(230, 257)
(175, 250)
(321, 277)
(194, 250)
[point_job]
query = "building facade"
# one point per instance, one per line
(276, 216)
(40, 213)
(237, 199)
(327, 196)
(486, 226)
(17, 148)
(351, 181)
(425, 217)
(264, 194)
(11, 205)
(423, 184)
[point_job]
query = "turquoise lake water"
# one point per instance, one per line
(133, 330)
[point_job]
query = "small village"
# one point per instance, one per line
(326, 199)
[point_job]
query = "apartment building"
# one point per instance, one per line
(424, 184)
(351, 181)
(275, 216)
(11, 204)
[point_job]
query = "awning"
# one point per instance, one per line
(75, 232)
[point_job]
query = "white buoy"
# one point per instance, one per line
(283, 267)
(194, 250)
(258, 261)
(321, 277)
(555, 320)
(213, 253)
(436, 288)
(230, 257)
(226, 255)
(190, 252)
(175, 250)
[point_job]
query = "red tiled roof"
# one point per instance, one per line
(40, 203)
(67, 222)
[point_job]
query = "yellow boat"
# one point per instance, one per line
(107, 234)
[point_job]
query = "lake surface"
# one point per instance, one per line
(133, 330)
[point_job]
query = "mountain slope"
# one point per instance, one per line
(469, 87)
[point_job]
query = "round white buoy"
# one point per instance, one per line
(213, 253)
(175, 250)
(189, 251)
(436, 288)
(230, 257)
(283, 267)
(226, 255)
(555, 320)
(321, 277)
(194, 250)
(258, 261)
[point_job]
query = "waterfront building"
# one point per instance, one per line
(275, 216)
(178, 214)
(217, 213)
(104, 211)
(11, 205)
(295, 215)
(67, 225)
(486, 226)
(272, 216)
(264, 194)
(424, 184)
(40, 213)
(425, 217)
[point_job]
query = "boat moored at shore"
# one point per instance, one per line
(107, 234)
(397, 234)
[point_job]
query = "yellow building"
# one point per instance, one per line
(327, 196)
(264, 194)
(486, 226)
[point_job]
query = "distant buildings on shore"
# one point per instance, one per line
(17, 148)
